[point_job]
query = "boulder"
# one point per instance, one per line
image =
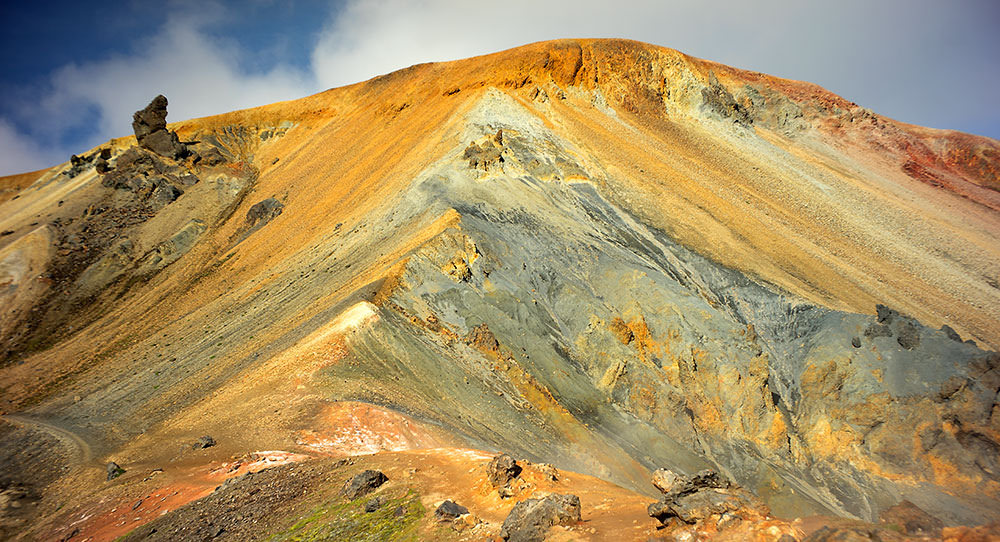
(207, 155)
(151, 119)
(665, 480)
(502, 469)
(529, 520)
(449, 510)
(166, 144)
(363, 483)
(704, 496)
(373, 505)
(263, 212)
(150, 127)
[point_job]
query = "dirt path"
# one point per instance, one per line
(84, 452)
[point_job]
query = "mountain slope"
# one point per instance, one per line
(599, 254)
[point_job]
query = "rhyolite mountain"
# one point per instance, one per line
(598, 254)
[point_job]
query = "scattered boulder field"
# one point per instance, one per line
(577, 290)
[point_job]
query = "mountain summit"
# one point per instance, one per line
(324, 317)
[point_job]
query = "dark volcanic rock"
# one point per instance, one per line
(207, 155)
(373, 505)
(951, 333)
(150, 127)
(450, 510)
(151, 119)
(165, 144)
(878, 330)
(908, 335)
(884, 314)
(364, 483)
(529, 520)
(700, 497)
(114, 470)
(263, 212)
(502, 469)
(204, 442)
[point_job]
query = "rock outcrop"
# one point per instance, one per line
(363, 483)
(150, 127)
(530, 520)
(704, 497)
(503, 472)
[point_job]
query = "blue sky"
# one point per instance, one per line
(72, 73)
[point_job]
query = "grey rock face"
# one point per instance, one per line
(655, 352)
(720, 101)
(529, 520)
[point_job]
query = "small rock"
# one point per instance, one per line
(548, 471)
(373, 505)
(263, 212)
(502, 469)
(856, 342)
(529, 520)
(665, 480)
(364, 483)
(449, 510)
(114, 470)
(204, 442)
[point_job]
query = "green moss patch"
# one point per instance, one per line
(396, 519)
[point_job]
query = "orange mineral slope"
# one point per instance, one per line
(787, 182)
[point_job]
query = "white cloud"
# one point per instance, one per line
(922, 62)
(199, 75)
(20, 154)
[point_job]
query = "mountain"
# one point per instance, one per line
(598, 256)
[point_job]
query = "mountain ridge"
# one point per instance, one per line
(557, 251)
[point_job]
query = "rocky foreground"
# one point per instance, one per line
(495, 298)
